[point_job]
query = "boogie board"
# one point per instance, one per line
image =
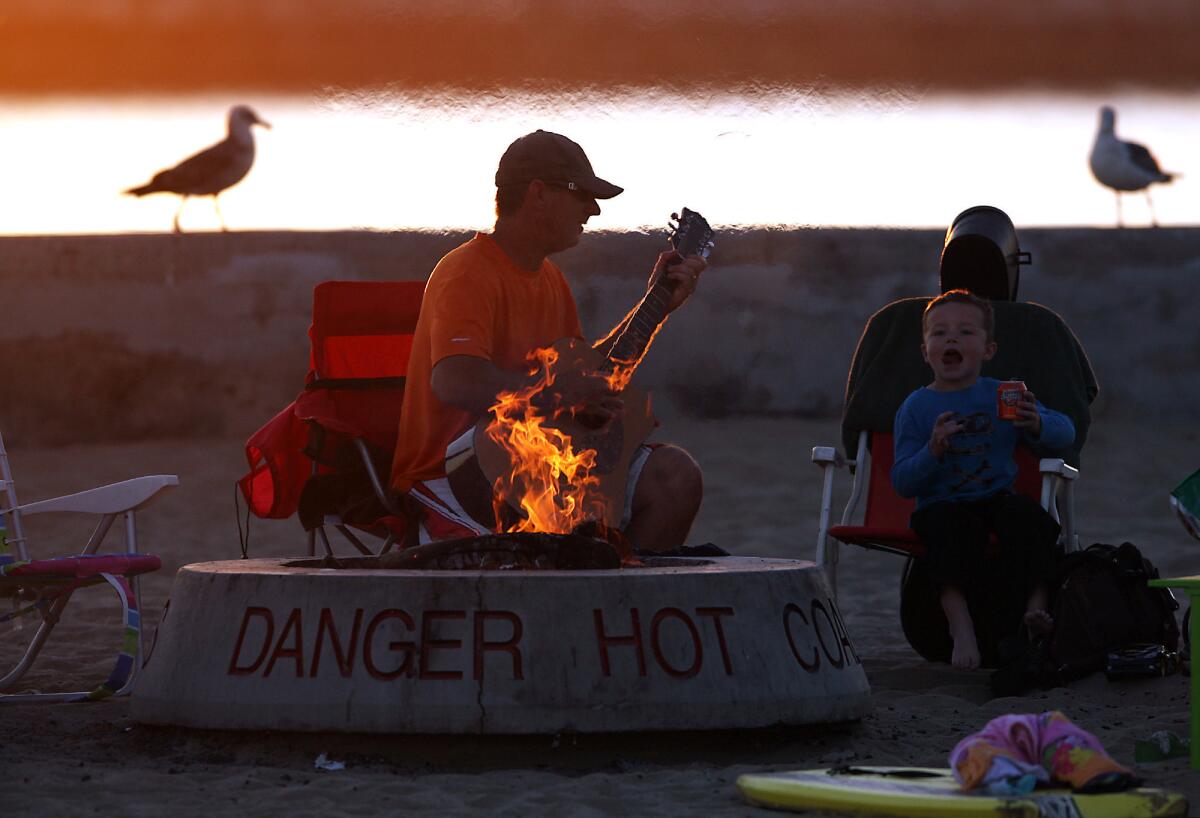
(922, 792)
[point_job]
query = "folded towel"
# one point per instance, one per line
(1015, 752)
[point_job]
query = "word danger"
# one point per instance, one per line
(383, 645)
(441, 644)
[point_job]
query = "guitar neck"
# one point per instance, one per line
(691, 236)
(635, 337)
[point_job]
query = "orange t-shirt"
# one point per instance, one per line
(477, 303)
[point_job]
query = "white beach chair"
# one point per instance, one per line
(882, 514)
(44, 586)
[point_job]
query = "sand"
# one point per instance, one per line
(761, 499)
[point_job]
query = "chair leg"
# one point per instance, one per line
(827, 549)
(831, 566)
(325, 541)
(135, 582)
(1069, 533)
(120, 679)
(99, 533)
(355, 541)
(49, 620)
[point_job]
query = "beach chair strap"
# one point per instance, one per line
(131, 621)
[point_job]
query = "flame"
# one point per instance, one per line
(553, 479)
(622, 369)
(622, 372)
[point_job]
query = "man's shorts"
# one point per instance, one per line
(445, 501)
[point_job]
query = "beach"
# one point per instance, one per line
(92, 758)
(161, 354)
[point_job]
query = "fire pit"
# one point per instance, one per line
(376, 645)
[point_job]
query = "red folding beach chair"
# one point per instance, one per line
(327, 456)
(43, 587)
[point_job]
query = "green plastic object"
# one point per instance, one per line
(1161, 746)
(1185, 499)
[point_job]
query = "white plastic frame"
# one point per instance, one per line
(122, 499)
(1058, 489)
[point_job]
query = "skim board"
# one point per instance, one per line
(922, 792)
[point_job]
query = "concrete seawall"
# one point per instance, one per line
(121, 337)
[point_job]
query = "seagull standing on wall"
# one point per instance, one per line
(1123, 166)
(213, 169)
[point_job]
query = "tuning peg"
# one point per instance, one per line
(675, 216)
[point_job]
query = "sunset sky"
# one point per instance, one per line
(127, 45)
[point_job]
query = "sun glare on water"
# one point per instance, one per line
(772, 157)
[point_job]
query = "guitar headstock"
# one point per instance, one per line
(690, 234)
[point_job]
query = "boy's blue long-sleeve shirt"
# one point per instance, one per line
(979, 460)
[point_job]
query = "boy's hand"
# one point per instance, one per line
(1028, 416)
(944, 428)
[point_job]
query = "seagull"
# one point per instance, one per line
(1124, 166)
(213, 169)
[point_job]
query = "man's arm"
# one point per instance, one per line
(685, 273)
(472, 384)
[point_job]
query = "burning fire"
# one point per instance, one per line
(622, 369)
(622, 372)
(554, 480)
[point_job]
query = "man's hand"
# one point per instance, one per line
(684, 273)
(944, 428)
(1028, 416)
(586, 395)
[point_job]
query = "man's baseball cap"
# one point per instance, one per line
(555, 160)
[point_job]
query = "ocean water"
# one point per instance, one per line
(755, 156)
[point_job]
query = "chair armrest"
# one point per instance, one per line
(827, 455)
(1056, 466)
(115, 498)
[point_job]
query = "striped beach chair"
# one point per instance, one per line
(42, 587)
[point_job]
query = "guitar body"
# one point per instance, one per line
(615, 444)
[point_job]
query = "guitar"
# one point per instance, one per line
(614, 444)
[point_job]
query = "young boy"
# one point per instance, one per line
(955, 455)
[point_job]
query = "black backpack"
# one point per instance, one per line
(1100, 602)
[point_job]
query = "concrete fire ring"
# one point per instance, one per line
(681, 644)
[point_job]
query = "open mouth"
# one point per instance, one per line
(951, 357)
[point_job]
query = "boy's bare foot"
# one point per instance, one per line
(966, 652)
(1038, 621)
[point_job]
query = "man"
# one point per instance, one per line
(492, 301)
